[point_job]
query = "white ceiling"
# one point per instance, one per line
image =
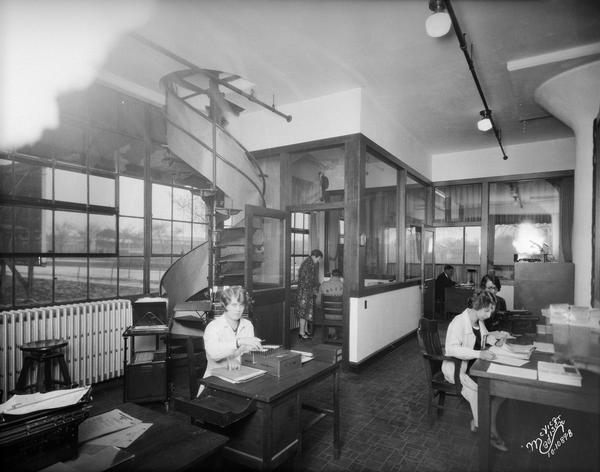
(297, 50)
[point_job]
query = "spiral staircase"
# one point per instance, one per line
(197, 113)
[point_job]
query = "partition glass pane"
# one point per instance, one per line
(457, 203)
(381, 218)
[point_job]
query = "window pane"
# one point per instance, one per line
(6, 232)
(449, 245)
(33, 230)
(103, 234)
(458, 203)
(131, 275)
(315, 173)
(6, 182)
(103, 149)
(200, 234)
(103, 278)
(70, 231)
(161, 237)
(200, 211)
(131, 196)
(102, 191)
(472, 244)
(35, 281)
(158, 267)
(381, 215)
(268, 271)
(70, 186)
(32, 181)
(161, 201)
(70, 279)
(131, 236)
(182, 204)
(415, 201)
(182, 238)
(6, 283)
(413, 252)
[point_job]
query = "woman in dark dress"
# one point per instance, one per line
(308, 288)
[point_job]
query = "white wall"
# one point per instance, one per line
(542, 156)
(391, 135)
(388, 317)
(332, 115)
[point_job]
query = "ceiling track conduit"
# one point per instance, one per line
(463, 46)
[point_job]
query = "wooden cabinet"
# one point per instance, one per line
(538, 284)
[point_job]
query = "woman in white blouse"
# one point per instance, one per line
(466, 339)
(228, 336)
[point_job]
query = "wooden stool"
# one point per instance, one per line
(43, 352)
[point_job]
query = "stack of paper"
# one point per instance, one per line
(242, 374)
(514, 351)
(559, 373)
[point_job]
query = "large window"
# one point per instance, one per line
(300, 234)
(74, 209)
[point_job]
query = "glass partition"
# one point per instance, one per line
(457, 203)
(316, 175)
(267, 253)
(381, 220)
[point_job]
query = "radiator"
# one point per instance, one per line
(93, 331)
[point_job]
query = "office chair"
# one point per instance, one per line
(333, 316)
(433, 356)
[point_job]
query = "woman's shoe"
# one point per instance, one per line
(497, 443)
(303, 336)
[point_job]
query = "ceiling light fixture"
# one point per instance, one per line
(485, 124)
(439, 23)
(440, 5)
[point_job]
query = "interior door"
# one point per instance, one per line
(428, 272)
(266, 271)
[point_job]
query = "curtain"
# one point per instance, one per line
(565, 216)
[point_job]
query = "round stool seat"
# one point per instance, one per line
(43, 345)
(41, 356)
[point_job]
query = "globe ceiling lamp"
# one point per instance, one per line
(485, 123)
(439, 23)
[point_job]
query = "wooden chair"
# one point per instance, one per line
(333, 316)
(433, 356)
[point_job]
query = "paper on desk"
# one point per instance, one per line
(122, 438)
(509, 361)
(109, 422)
(544, 347)
(25, 404)
(512, 371)
(304, 355)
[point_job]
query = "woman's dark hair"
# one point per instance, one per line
(336, 273)
(234, 293)
(485, 279)
(316, 253)
(481, 299)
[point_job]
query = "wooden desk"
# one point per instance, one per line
(584, 398)
(170, 444)
(273, 433)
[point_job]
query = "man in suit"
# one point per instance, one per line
(441, 282)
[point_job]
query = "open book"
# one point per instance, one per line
(515, 351)
(242, 374)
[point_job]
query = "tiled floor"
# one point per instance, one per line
(385, 428)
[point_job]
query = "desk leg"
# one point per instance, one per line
(483, 401)
(336, 414)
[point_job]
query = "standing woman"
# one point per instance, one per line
(308, 288)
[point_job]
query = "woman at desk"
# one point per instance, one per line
(492, 286)
(227, 337)
(466, 339)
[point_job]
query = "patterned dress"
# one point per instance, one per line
(308, 285)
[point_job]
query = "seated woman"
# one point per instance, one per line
(228, 336)
(466, 339)
(490, 284)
